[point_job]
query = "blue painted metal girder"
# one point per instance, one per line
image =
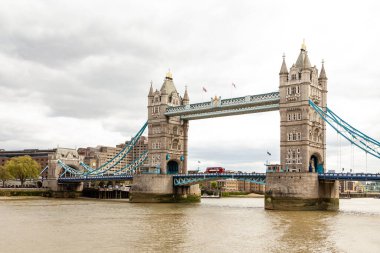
(68, 169)
(131, 168)
(94, 178)
(119, 157)
(354, 136)
(350, 176)
(189, 179)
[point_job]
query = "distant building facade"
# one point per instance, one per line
(244, 186)
(44, 157)
(234, 185)
(351, 186)
(41, 156)
(96, 156)
(372, 187)
(228, 185)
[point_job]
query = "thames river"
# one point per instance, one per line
(215, 225)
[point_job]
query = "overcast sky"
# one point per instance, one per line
(77, 73)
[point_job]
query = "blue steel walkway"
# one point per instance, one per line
(350, 176)
(190, 179)
(259, 178)
(122, 177)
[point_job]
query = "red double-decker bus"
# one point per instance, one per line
(215, 170)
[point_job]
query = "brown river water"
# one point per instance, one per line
(215, 225)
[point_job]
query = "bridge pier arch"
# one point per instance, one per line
(173, 167)
(316, 163)
(69, 157)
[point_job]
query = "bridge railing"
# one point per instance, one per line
(94, 178)
(189, 179)
(350, 176)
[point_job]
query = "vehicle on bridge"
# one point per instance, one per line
(215, 170)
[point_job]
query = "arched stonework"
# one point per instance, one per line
(66, 155)
(316, 162)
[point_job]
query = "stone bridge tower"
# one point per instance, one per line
(167, 147)
(303, 142)
(167, 136)
(71, 158)
(303, 132)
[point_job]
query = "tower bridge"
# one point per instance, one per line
(302, 184)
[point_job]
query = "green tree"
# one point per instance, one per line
(214, 185)
(23, 168)
(5, 174)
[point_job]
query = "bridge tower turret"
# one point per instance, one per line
(167, 136)
(303, 132)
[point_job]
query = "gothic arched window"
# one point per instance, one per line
(175, 144)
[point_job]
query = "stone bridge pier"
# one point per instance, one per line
(71, 158)
(300, 191)
(156, 188)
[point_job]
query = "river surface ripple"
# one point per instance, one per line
(215, 225)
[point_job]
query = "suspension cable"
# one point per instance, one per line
(337, 152)
(340, 150)
(353, 158)
(351, 134)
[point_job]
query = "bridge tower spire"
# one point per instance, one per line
(167, 136)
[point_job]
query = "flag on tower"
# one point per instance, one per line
(204, 89)
(234, 85)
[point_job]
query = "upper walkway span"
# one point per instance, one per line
(218, 107)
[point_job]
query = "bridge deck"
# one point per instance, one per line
(187, 179)
(350, 176)
(94, 178)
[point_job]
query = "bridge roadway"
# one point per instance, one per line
(189, 179)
